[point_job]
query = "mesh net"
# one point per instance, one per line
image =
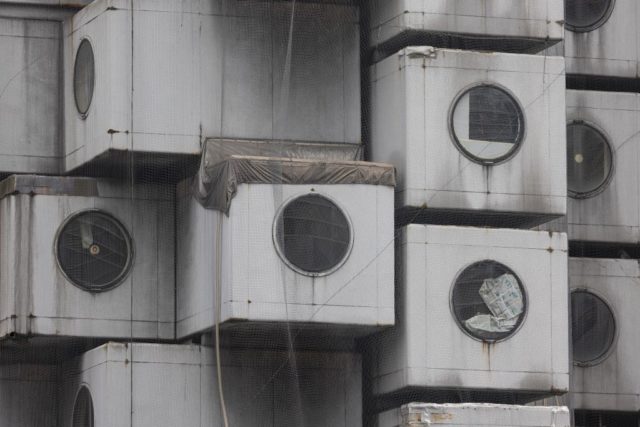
(315, 212)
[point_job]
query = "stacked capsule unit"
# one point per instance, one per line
(474, 121)
(603, 218)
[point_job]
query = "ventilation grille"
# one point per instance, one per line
(94, 251)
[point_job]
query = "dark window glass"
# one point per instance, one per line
(313, 234)
(83, 409)
(589, 160)
(487, 123)
(94, 251)
(84, 77)
(592, 327)
(586, 15)
(488, 301)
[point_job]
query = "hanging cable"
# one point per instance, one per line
(218, 319)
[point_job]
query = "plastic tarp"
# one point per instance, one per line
(216, 150)
(503, 298)
(224, 166)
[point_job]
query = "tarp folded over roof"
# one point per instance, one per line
(216, 150)
(220, 174)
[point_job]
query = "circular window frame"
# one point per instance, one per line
(280, 252)
(83, 387)
(522, 135)
(612, 152)
(599, 23)
(614, 342)
(525, 296)
(128, 239)
(85, 114)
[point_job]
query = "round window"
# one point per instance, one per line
(313, 235)
(84, 77)
(586, 15)
(589, 160)
(593, 327)
(94, 251)
(487, 124)
(488, 301)
(83, 409)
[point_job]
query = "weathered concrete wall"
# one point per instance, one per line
(177, 73)
(142, 385)
(613, 49)
(30, 96)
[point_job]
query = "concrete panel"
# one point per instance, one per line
(258, 286)
(402, 23)
(40, 300)
(412, 97)
(167, 76)
(30, 113)
(167, 385)
(612, 383)
(474, 414)
(609, 50)
(429, 350)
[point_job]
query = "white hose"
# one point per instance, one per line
(218, 305)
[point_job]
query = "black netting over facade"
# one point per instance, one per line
(312, 213)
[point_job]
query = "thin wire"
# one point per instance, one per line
(284, 105)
